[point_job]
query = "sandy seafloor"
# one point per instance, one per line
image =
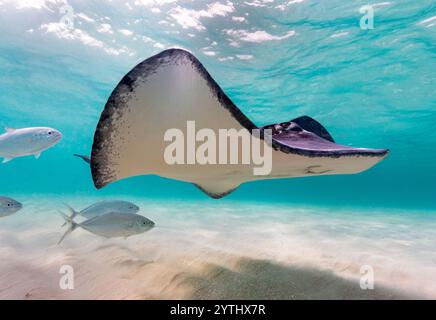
(221, 250)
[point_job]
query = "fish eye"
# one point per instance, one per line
(50, 132)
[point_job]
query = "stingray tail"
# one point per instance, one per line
(84, 158)
(71, 226)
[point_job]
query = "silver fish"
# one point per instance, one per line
(9, 206)
(16, 143)
(111, 225)
(103, 207)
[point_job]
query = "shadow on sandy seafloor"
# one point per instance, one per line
(113, 271)
(262, 279)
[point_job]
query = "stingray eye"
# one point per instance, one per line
(294, 127)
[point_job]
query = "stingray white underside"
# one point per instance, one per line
(166, 91)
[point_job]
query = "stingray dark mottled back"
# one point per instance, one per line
(173, 88)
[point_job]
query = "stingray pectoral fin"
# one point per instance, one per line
(314, 155)
(305, 122)
(311, 125)
(161, 94)
(217, 189)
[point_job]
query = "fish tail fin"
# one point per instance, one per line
(7, 159)
(73, 212)
(71, 226)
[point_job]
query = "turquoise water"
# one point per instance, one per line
(276, 60)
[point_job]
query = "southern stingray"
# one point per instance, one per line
(171, 88)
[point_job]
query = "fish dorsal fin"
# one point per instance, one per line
(10, 129)
(217, 190)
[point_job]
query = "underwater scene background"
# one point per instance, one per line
(277, 60)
